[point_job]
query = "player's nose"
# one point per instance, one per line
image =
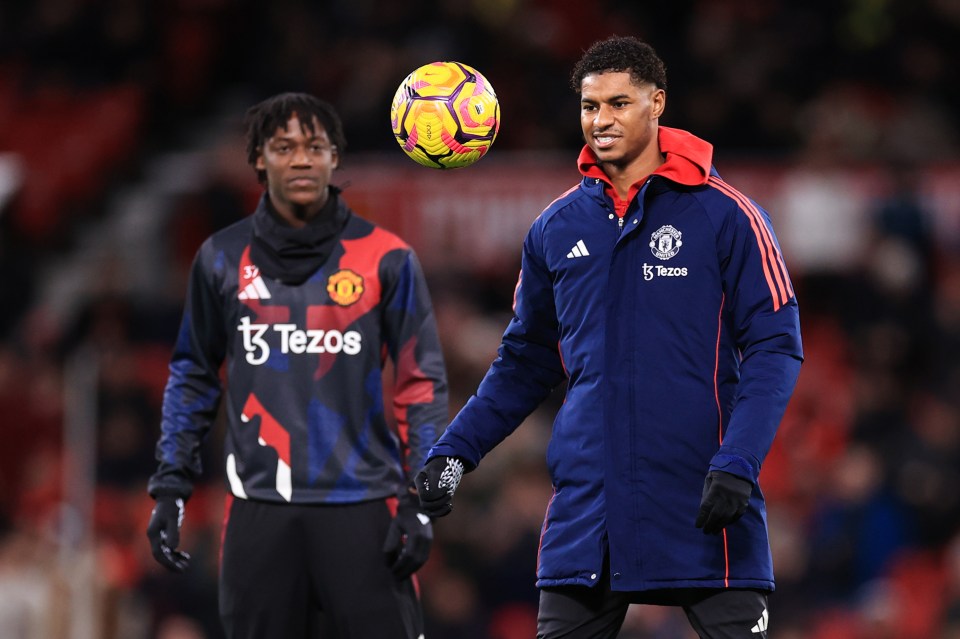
(603, 116)
(301, 157)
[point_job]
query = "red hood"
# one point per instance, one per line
(688, 158)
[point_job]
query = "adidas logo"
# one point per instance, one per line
(579, 250)
(255, 290)
(761, 627)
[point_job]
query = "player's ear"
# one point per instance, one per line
(334, 156)
(259, 164)
(659, 99)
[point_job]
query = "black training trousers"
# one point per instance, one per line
(312, 571)
(583, 612)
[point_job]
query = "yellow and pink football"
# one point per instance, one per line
(445, 115)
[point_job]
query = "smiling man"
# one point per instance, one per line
(302, 300)
(658, 292)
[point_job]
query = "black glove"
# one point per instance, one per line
(436, 483)
(409, 537)
(164, 533)
(725, 499)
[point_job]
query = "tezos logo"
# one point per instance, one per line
(665, 242)
(295, 340)
(656, 270)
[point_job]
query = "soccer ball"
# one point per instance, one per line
(445, 115)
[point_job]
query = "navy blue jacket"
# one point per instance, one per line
(677, 329)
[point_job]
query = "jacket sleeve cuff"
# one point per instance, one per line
(736, 462)
(442, 450)
(165, 483)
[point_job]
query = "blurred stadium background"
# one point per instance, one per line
(120, 151)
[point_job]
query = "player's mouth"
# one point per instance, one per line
(604, 141)
(302, 183)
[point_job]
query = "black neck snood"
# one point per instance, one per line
(289, 254)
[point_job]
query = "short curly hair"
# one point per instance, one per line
(262, 121)
(621, 53)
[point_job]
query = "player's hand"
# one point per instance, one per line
(436, 483)
(725, 499)
(409, 537)
(164, 533)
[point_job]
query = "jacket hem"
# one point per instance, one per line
(665, 584)
(627, 585)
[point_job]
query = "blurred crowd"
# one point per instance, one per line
(863, 479)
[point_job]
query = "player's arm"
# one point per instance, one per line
(527, 369)
(193, 390)
(420, 401)
(190, 404)
(765, 323)
(766, 327)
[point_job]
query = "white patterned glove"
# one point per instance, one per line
(436, 484)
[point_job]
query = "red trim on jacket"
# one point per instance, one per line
(774, 270)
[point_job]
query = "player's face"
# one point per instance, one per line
(299, 163)
(618, 117)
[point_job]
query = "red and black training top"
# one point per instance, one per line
(304, 400)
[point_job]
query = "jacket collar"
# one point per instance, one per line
(687, 159)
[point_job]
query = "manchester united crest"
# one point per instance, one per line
(665, 242)
(345, 287)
